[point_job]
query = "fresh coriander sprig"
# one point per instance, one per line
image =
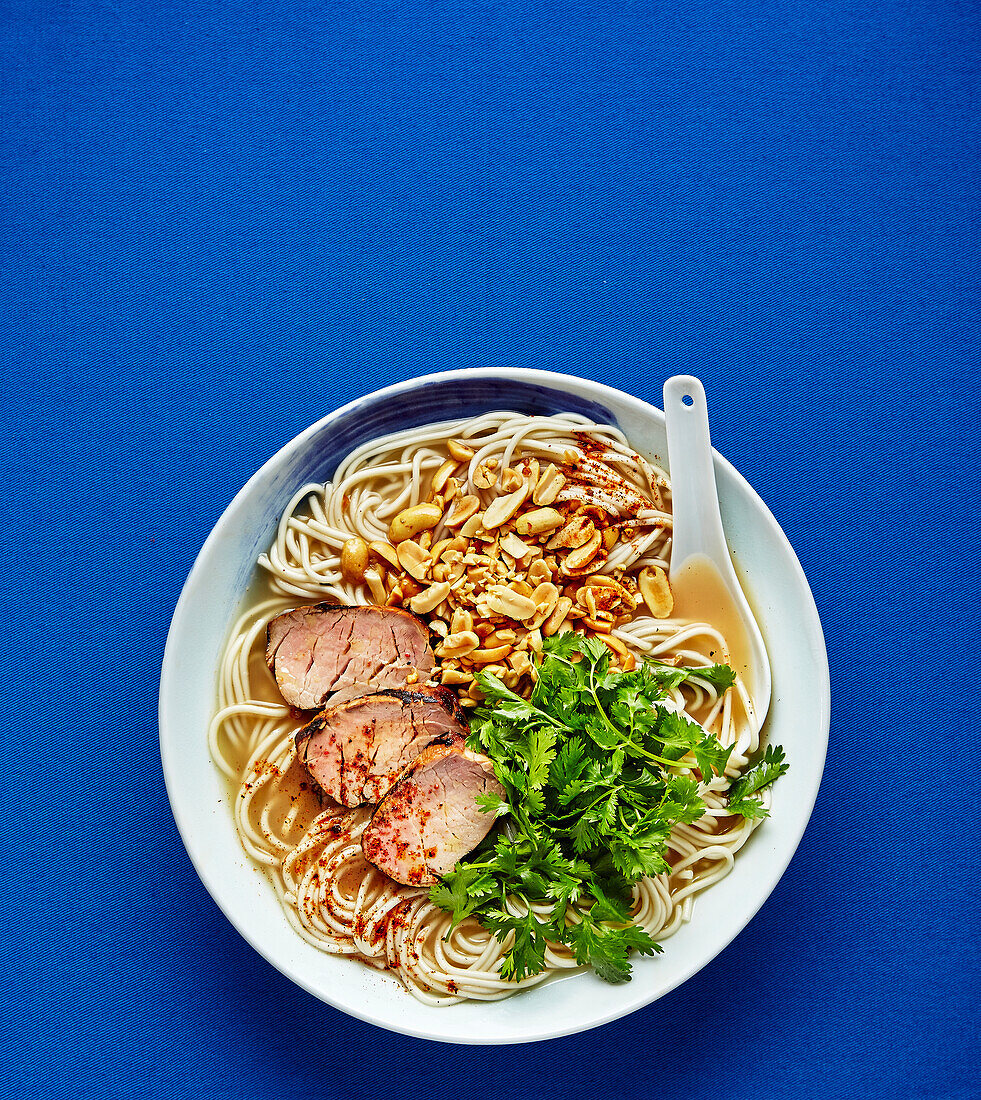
(768, 768)
(596, 773)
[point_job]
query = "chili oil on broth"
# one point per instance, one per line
(310, 850)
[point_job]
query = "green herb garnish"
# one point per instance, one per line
(771, 766)
(596, 771)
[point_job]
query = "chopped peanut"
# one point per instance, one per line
(656, 591)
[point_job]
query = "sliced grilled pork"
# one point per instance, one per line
(316, 650)
(430, 818)
(356, 750)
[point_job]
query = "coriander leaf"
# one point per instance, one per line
(664, 677)
(720, 677)
(541, 753)
(571, 644)
(506, 853)
(491, 737)
(681, 802)
(679, 735)
(606, 907)
(506, 703)
(668, 677)
(642, 856)
(711, 756)
(602, 733)
(585, 835)
(632, 704)
(567, 764)
(492, 804)
(605, 949)
(770, 767)
(610, 809)
(535, 799)
(572, 791)
(526, 956)
(459, 891)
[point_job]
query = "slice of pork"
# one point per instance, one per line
(430, 818)
(357, 749)
(316, 650)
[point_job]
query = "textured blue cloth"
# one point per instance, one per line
(222, 219)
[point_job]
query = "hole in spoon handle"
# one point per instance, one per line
(686, 391)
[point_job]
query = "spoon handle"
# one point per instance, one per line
(699, 538)
(695, 499)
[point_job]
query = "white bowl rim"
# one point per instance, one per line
(600, 393)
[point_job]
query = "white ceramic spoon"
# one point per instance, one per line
(702, 576)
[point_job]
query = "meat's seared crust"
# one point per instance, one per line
(434, 691)
(315, 725)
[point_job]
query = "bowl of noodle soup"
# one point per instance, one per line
(289, 874)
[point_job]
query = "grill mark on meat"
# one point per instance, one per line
(337, 672)
(368, 666)
(359, 793)
(340, 671)
(313, 653)
(375, 742)
(350, 658)
(395, 641)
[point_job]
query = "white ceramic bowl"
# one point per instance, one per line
(798, 718)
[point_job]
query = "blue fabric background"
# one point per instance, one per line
(222, 219)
